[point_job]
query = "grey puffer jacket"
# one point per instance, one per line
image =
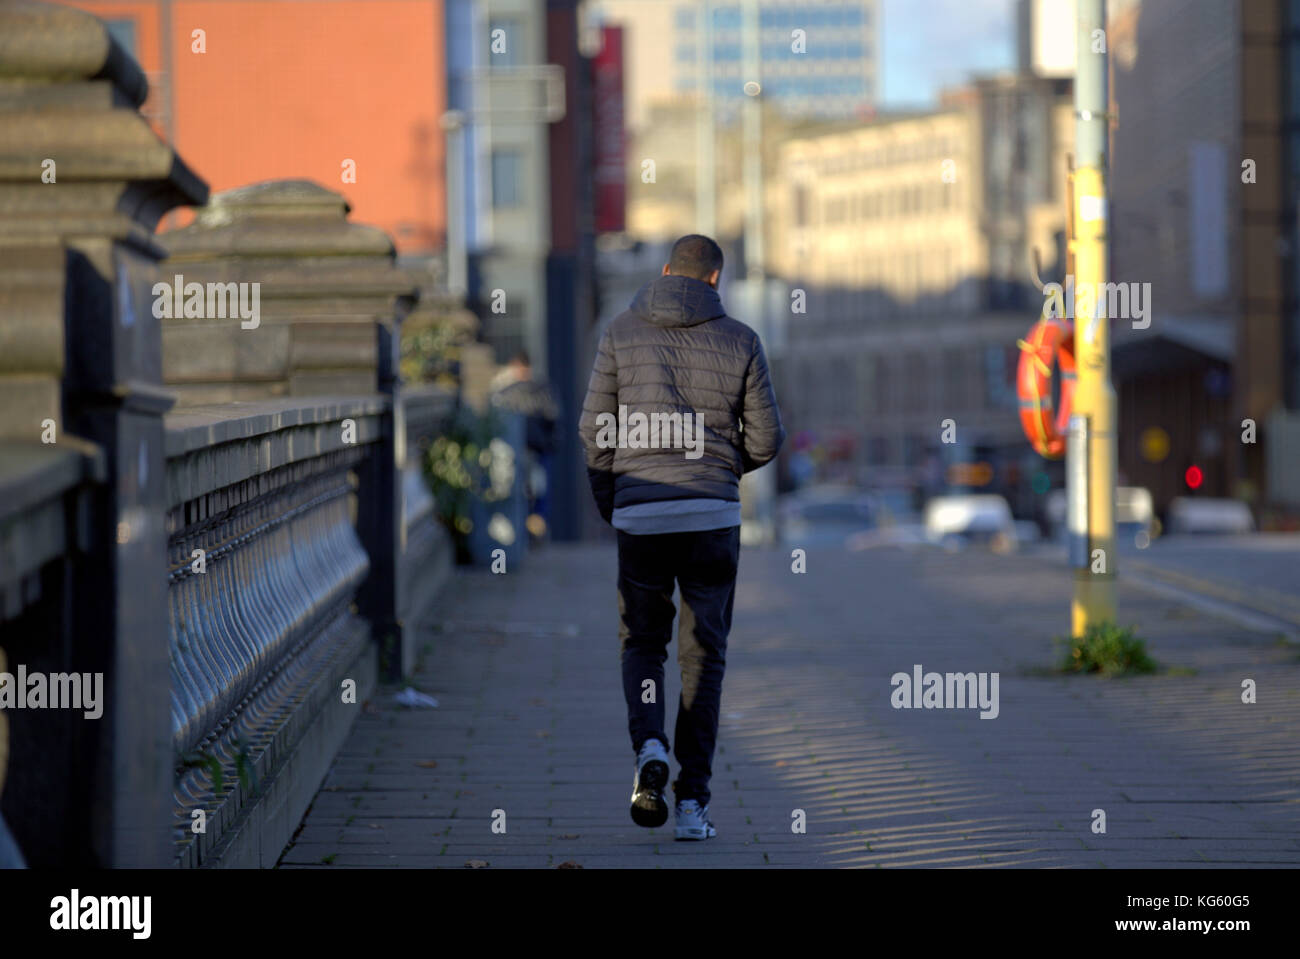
(675, 350)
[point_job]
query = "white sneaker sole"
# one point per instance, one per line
(695, 832)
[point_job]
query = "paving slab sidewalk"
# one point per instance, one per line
(530, 733)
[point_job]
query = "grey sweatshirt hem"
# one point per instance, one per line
(677, 516)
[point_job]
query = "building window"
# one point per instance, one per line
(801, 205)
(123, 31)
(916, 383)
(955, 387)
(879, 451)
(867, 385)
(883, 386)
(849, 396)
(1293, 101)
(507, 179)
(504, 39)
(913, 450)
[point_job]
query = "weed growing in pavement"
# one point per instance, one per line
(1107, 649)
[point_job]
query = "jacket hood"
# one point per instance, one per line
(677, 301)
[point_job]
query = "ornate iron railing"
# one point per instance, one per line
(265, 564)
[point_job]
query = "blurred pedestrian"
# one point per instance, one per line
(514, 390)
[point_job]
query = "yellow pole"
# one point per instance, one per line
(1094, 398)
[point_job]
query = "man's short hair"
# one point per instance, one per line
(695, 256)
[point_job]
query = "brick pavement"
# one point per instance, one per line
(531, 721)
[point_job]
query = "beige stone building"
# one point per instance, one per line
(908, 240)
(666, 206)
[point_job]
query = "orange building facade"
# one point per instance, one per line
(348, 93)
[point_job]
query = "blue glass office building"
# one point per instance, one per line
(830, 70)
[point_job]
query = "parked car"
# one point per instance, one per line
(894, 505)
(1027, 531)
(1135, 516)
(825, 515)
(1204, 515)
(962, 520)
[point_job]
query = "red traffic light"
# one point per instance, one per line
(1193, 477)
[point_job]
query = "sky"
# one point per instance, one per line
(930, 44)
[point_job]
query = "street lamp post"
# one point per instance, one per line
(705, 184)
(453, 124)
(762, 482)
(1094, 398)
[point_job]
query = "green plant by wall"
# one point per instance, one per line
(468, 462)
(212, 763)
(432, 355)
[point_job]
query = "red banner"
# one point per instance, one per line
(609, 139)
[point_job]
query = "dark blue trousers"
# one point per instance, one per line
(703, 565)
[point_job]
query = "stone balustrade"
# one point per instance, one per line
(214, 511)
(319, 283)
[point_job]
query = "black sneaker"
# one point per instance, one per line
(649, 808)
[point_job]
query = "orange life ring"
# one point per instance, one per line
(1049, 339)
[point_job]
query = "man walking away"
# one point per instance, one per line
(675, 356)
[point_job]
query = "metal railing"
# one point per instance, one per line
(265, 564)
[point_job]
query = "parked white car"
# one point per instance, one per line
(1135, 515)
(1202, 515)
(955, 522)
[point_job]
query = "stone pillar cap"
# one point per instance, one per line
(276, 218)
(58, 44)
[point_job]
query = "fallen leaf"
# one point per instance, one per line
(430, 764)
(568, 865)
(543, 734)
(476, 864)
(570, 835)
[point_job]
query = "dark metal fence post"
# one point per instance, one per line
(381, 512)
(85, 183)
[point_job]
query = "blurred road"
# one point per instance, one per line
(531, 729)
(1269, 561)
(1256, 576)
